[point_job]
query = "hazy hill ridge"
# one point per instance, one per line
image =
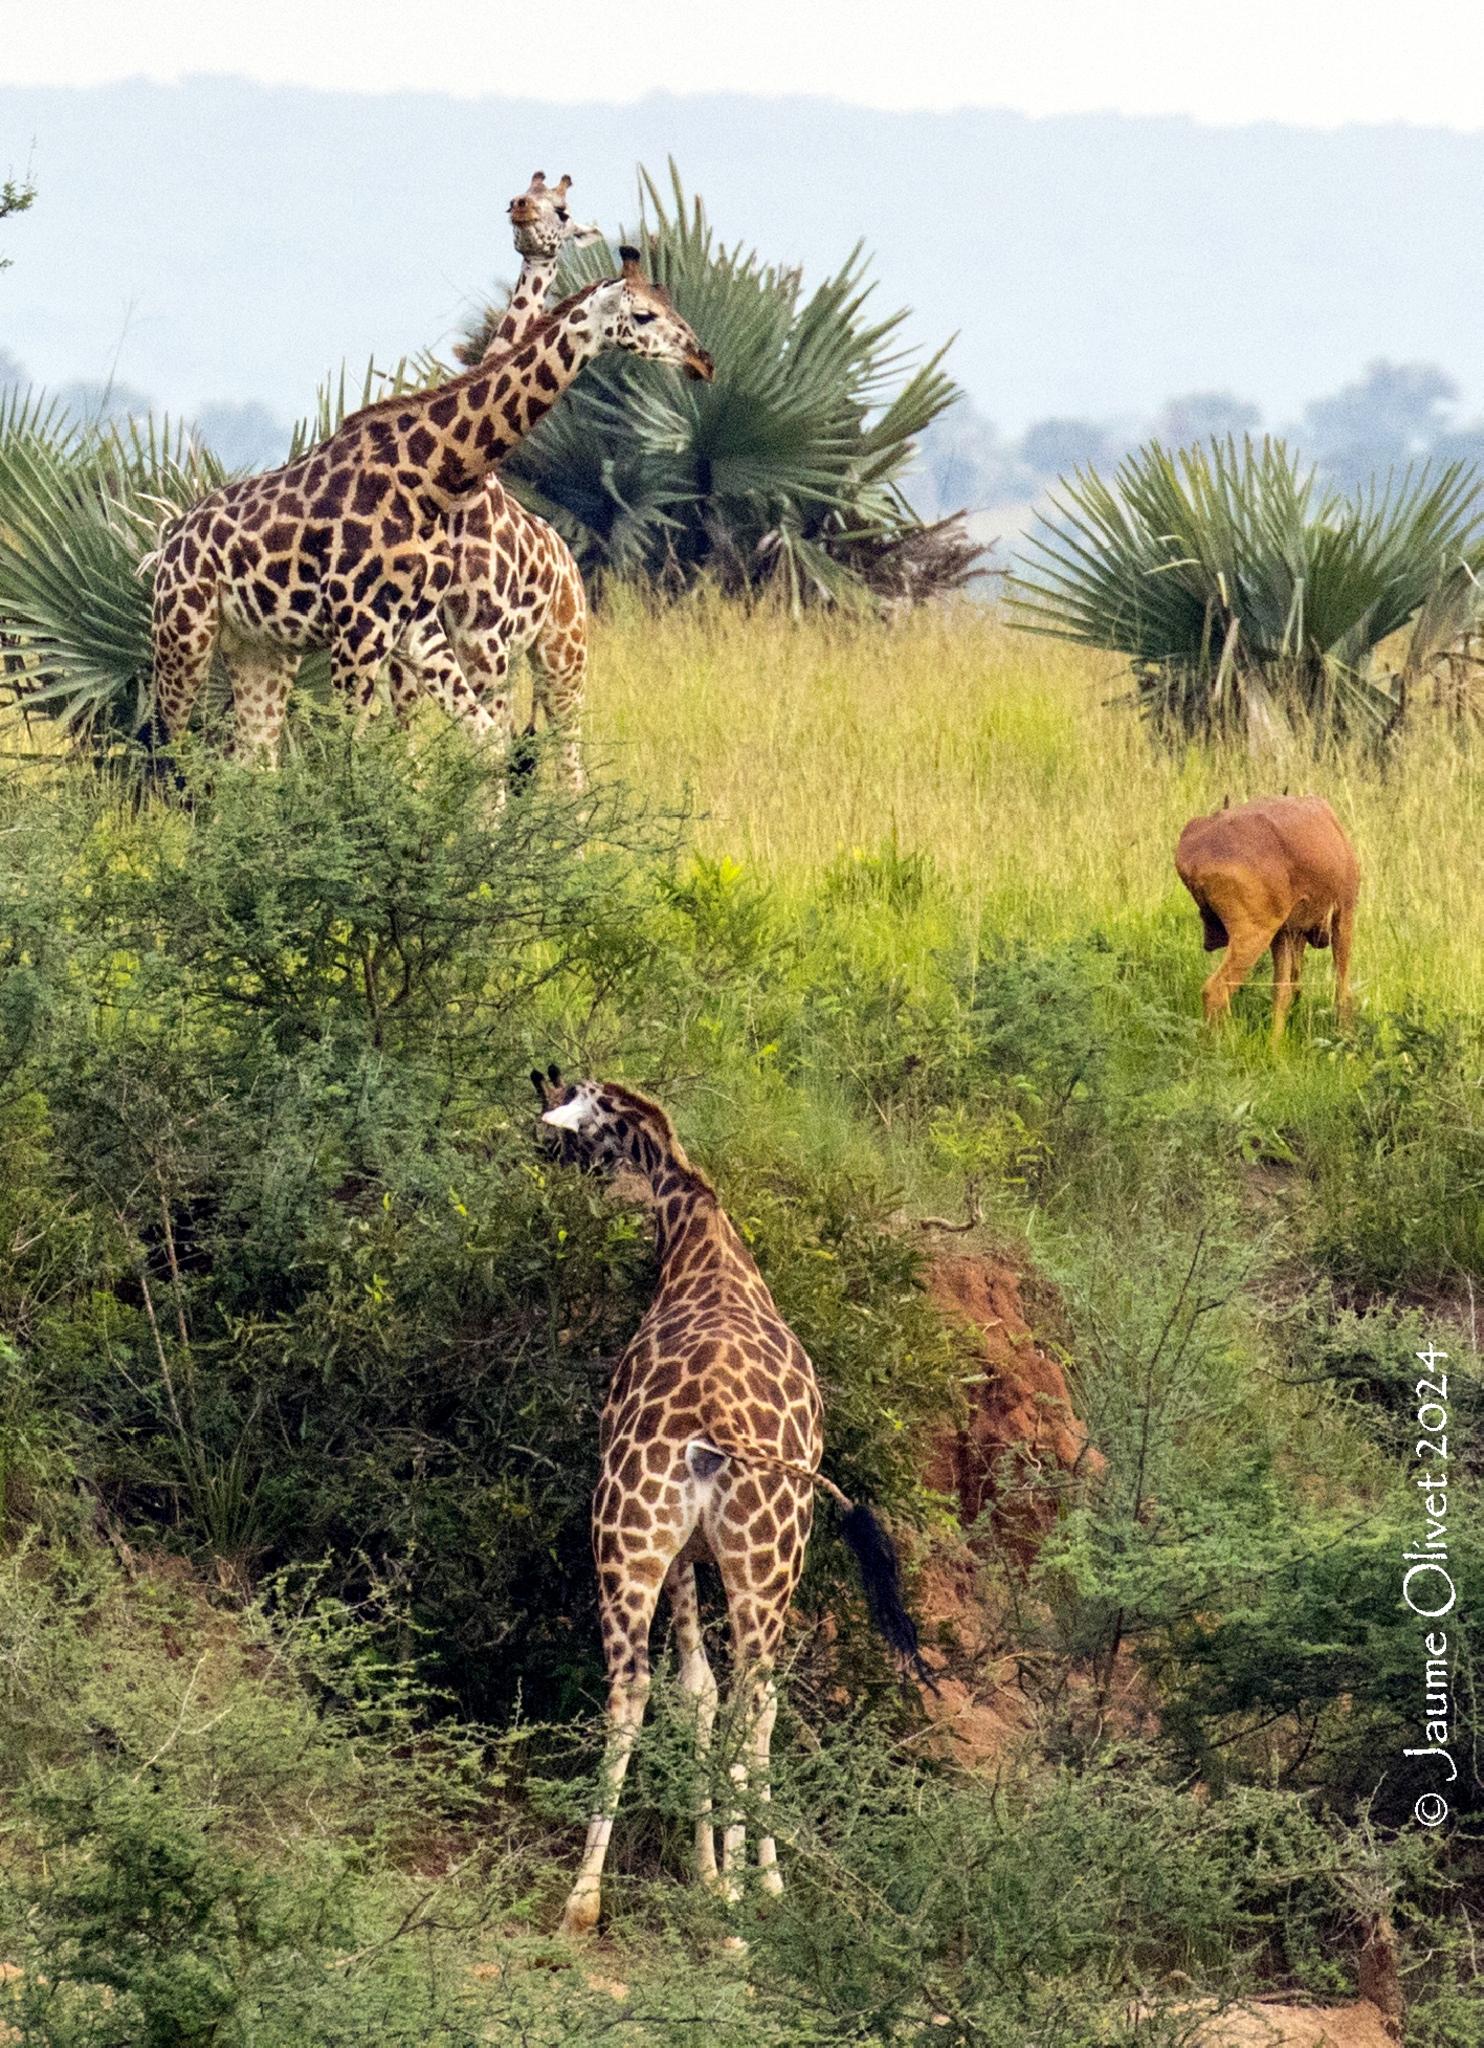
(222, 240)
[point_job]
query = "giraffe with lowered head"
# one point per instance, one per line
(346, 547)
(514, 582)
(712, 1437)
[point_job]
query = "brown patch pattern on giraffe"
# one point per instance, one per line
(346, 547)
(514, 584)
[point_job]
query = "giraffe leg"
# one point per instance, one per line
(483, 660)
(182, 662)
(636, 1546)
(404, 686)
(753, 1711)
(358, 653)
(559, 680)
(424, 666)
(765, 1714)
(261, 679)
(757, 1530)
(699, 1681)
(626, 1609)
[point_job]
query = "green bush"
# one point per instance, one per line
(284, 1283)
(1399, 1194)
(301, 1285)
(238, 1826)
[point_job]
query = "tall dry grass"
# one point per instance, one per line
(1009, 760)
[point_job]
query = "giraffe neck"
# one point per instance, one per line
(527, 304)
(453, 435)
(688, 1219)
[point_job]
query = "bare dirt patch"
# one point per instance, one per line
(1261, 2024)
(1004, 1466)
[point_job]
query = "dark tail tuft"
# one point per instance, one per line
(520, 765)
(881, 1576)
(160, 769)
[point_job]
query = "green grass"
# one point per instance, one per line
(925, 928)
(1043, 801)
(1011, 773)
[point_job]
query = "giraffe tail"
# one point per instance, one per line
(867, 1540)
(881, 1578)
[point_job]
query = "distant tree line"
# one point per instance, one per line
(242, 435)
(1392, 415)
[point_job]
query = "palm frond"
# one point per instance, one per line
(782, 470)
(1240, 590)
(81, 511)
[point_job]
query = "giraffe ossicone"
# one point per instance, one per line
(711, 1442)
(542, 223)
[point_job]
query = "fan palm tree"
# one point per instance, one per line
(786, 470)
(80, 511)
(1242, 592)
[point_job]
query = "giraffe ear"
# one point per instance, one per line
(580, 237)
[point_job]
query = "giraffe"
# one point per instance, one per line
(345, 547)
(712, 1436)
(515, 584)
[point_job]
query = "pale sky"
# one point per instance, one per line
(1312, 63)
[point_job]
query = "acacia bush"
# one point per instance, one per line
(246, 1825)
(282, 1271)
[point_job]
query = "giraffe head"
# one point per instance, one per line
(637, 316)
(601, 1127)
(541, 222)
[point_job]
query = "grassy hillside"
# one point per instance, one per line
(301, 1351)
(1009, 762)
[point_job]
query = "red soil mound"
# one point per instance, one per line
(1019, 1438)
(1021, 1429)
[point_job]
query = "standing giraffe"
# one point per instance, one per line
(711, 1444)
(514, 582)
(346, 547)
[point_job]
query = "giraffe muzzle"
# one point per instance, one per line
(699, 366)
